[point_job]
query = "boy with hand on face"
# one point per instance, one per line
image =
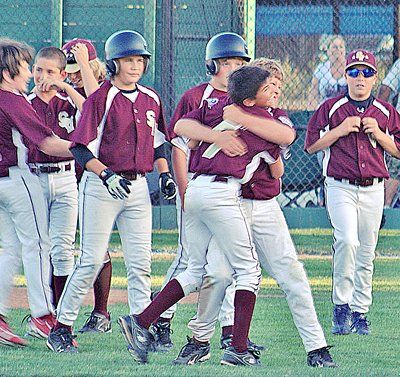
(58, 105)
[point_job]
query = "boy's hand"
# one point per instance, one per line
(81, 53)
(350, 124)
(370, 126)
(231, 144)
(232, 113)
(50, 84)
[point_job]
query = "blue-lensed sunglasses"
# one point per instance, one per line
(366, 72)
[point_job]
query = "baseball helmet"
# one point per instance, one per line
(124, 43)
(224, 45)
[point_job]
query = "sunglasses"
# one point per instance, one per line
(366, 72)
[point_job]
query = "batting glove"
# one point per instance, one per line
(116, 185)
(167, 186)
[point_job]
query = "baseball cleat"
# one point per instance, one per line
(341, 321)
(139, 339)
(192, 353)
(360, 324)
(162, 337)
(8, 338)
(234, 358)
(320, 358)
(226, 341)
(97, 322)
(40, 327)
(61, 341)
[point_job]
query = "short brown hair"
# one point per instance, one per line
(98, 68)
(270, 65)
(12, 53)
(52, 53)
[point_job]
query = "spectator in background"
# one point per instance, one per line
(389, 91)
(328, 82)
(328, 79)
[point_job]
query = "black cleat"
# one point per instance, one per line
(341, 321)
(235, 358)
(320, 358)
(360, 324)
(97, 323)
(61, 340)
(162, 337)
(226, 341)
(192, 353)
(138, 338)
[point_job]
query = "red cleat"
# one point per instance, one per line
(8, 338)
(40, 327)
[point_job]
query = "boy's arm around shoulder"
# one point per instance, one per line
(266, 128)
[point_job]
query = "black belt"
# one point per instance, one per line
(363, 182)
(217, 178)
(49, 169)
(130, 175)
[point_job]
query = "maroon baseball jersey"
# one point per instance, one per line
(262, 185)
(242, 167)
(18, 119)
(191, 100)
(122, 128)
(60, 116)
(356, 155)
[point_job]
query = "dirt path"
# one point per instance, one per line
(19, 298)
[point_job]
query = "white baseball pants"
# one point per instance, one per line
(24, 235)
(278, 257)
(213, 209)
(61, 196)
(226, 311)
(98, 212)
(355, 213)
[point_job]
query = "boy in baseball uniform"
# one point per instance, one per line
(58, 105)
(118, 139)
(86, 73)
(23, 214)
(225, 52)
(274, 247)
(354, 131)
(213, 210)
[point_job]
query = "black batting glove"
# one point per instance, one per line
(167, 186)
(116, 185)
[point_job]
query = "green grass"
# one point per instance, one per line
(106, 355)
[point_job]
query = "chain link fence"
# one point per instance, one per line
(308, 37)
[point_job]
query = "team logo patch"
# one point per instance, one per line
(360, 56)
(211, 102)
(65, 121)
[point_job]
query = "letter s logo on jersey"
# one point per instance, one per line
(65, 121)
(151, 120)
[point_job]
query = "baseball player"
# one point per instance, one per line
(274, 247)
(118, 139)
(354, 131)
(57, 104)
(225, 52)
(212, 207)
(24, 226)
(86, 73)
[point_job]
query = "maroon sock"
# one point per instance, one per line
(58, 287)
(60, 325)
(170, 295)
(244, 307)
(226, 331)
(102, 287)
